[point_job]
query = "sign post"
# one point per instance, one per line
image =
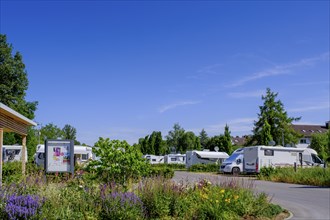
(59, 156)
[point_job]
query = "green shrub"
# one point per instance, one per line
(12, 171)
(118, 161)
(316, 176)
(162, 171)
(266, 172)
(204, 168)
(172, 166)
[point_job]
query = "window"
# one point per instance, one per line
(154, 160)
(84, 156)
(41, 156)
(173, 159)
(316, 159)
(269, 152)
(303, 141)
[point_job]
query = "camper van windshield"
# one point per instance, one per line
(316, 159)
(232, 158)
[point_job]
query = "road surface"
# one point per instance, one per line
(304, 202)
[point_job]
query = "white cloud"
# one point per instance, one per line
(311, 107)
(206, 71)
(252, 94)
(177, 104)
(281, 69)
(310, 83)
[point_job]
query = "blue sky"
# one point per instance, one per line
(122, 69)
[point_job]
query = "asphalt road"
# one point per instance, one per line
(304, 202)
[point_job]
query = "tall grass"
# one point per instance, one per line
(84, 196)
(316, 176)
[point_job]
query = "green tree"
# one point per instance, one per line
(143, 145)
(159, 144)
(13, 86)
(226, 142)
(14, 81)
(118, 161)
(321, 143)
(151, 143)
(216, 141)
(203, 138)
(188, 141)
(174, 136)
(266, 137)
(273, 113)
(50, 131)
(69, 132)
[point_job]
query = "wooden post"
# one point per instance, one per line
(23, 154)
(1, 143)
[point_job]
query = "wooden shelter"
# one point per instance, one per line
(12, 121)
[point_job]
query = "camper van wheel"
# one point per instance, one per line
(235, 171)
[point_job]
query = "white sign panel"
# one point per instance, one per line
(59, 155)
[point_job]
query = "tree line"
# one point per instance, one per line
(179, 141)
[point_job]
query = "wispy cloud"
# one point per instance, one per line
(206, 71)
(310, 83)
(252, 94)
(311, 107)
(177, 104)
(281, 69)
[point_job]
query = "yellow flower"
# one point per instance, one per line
(217, 201)
(227, 200)
(222, 191)
(236, 197)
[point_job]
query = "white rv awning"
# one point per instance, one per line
(210, 154)
(293, 149)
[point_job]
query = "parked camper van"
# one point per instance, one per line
(234, 163)
(204, 157)
(175, 159)
(153, 159)
(13, 153)
(264, 156)
(82, 154)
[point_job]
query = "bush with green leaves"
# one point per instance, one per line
(164, 171)
(316, 176)
(171, 165)
(118, 161)
(204, 168)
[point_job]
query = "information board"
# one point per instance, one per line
(59, 156)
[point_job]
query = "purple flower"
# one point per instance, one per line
(23, 206)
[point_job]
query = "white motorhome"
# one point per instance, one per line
(82, 154)
(175, 159)
(153, 159)
(204, 157)
(13, 153)
(234, 163)
(277, 156)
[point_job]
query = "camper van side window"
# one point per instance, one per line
(84, 156)
(269, 152)
(41, 156)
